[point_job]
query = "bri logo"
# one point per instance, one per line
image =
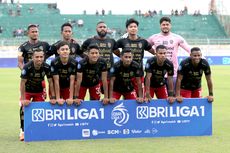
(120, 115)
(38, 115)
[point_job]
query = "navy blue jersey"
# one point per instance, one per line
(192, 74)
(91, 73)
(35, 77)
(158, 72)
(124, 75)
(63, 71)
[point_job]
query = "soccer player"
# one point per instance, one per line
(89, 72)
(31, 88)
(63, 69)
(121, 78)
(189, 76)
(156, 68)
(137, 45)
(107, 46)
(172, 42)
(67, 35)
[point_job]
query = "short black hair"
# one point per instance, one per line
(160, 47)
(67, 24)
(92, 46)
(165, 18)
(195, 49)
(100, 22)
(62, 43)
(32, 26)
(38, 50)
(126, 50)
(130, 21)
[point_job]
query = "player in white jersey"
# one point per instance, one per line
(172, 42)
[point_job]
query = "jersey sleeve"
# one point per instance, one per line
(183, 44)
(25, 72)
(21, 50)
(48, 71)
(180, 69)
(73, 68)
(80, 67)
(85, 45)
(54, 68)
(170, 69)
(206, 67)
(147, 45)
(148, 66)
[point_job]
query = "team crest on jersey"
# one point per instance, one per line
(140, 45)
(109, 45)
(171, 41)
(78, 66)
(23, 72)
(73, 50)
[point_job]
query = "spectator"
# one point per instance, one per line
(103, 12)
(80, 23)
(97, 13)
(1, 29)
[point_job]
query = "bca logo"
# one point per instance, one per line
(38, 115)
(120, 115)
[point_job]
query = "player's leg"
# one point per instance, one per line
(197, 93)
(134, 82)
(186, 93)
(161, 92)
(95, 92)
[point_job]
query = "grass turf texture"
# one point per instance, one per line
(219, 142)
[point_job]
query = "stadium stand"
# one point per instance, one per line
(50, 20)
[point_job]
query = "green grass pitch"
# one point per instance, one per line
(219, 142)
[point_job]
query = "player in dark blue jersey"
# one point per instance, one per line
(89, 72)
(156, 68)
(190, 74)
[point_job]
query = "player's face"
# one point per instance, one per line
(93, 55)
(161, 55)
(64, 51)
(165, 27)
(67, 33)
(33, 33)
(127, 58)
(38, 58)
(102, 29)
(196, 56)
(132, 29)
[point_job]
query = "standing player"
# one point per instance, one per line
(63, 69)
(189, 76)
(107, 46)
(89, 72)
(67, 34)
(172, 42)
(137, 45)
(156, 68)
(121, 78)
(31, 88)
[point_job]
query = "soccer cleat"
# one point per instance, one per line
(21, 136)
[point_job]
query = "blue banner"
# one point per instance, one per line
(124, 119)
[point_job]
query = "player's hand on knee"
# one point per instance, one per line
(77, 101)
(148, 98)
(171, 99)
(112, 100)
(140, 99)
(210, 99)
(105, 101)
(25, 102)
(179, 99)
(60, 101)
(69, 101)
